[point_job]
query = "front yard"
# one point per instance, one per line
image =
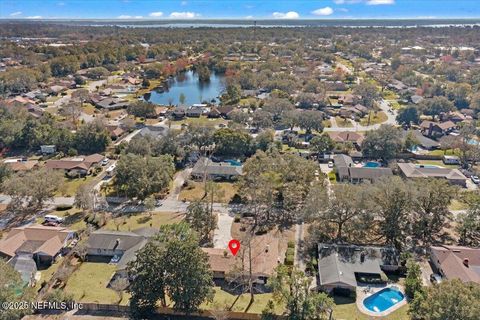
(195, 191)
(70, 186)
(141, 220)
(379, 117)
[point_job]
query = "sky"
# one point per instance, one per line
(238, 9)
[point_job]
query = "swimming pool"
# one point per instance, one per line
(371, 164)
(383, 300)
(234, 162)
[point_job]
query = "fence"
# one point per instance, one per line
(112, 308)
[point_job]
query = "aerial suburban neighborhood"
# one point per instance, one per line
(239, 169)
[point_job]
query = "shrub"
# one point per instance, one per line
(237, 218)
(291, 244)
(63, 207)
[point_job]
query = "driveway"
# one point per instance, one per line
(384, 106)
(223, 234)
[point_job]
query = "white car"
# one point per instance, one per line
(330, 164)
(105, 161)
(53, 218)
(475, 179)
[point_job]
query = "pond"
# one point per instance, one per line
(188, 84)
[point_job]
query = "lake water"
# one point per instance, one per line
(188, 84)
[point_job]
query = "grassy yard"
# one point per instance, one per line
(346, 309)
(136, 221)
(223, 300)
(70, 186)
(444, 152)
(379, 117)
(195, 191)
(88, 108)
(202, 121)
(326, 123)
(343, 123)
(389, 95)
(457, 205)
(46, 274)
(89, 284)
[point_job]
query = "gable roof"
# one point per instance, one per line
(207, 166)
(34, 239)
(337, 264)
(345, 136)
(411, 170)
(451, 260)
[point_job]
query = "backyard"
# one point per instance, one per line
(346, 309)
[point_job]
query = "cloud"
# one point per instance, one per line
(184, 15)
(347, 1)
(14, 14)
(342, 9)
(183, 3)
(249, 17)
(379, 2)
(61, 3)
(156, 14)
(323, 11)
(124, 16)
(286, 15)
(34, 17)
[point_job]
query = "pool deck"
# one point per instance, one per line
(361, 295)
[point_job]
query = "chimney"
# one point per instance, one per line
(465, 262)
(362, 257)
(117, 243)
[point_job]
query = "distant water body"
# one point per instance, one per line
(230, 23)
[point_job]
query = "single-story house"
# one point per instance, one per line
(215, 170)
(456, 262)
(103, 245)
(346, 170)
(437, 129)
(453, 176)
(347, 137)
(19, 165)
(265, 258)
(43, 244)
(423, 141)
(75, 166)
(340, 267)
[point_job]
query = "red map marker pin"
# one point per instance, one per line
(234, 246)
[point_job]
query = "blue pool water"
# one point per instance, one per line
(383, 300)
(234, 162)
(371, 164)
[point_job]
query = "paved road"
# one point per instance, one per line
(384, 106)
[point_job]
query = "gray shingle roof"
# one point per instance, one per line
(206, 166)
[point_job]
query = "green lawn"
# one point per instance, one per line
(379, 117)
(343, 123)
(346, 309)
(70, 186)
(136, 221)
(89, 284)
(457, 205)
(444, 152)
(224, 299)
(195, 191)
(46, 274)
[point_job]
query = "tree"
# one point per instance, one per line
(383, 143)
(232, 143)
(342, 214)
(13, 291)
(182, 98)
(322, 144)
(170, 265)
(293, 289)
(233, 93)
(468, 225)
(452, 299)
(34, 187)
(391, 199)
(368, 93)
(310, 120)
(430, 208)
(436, 105)
(91, 138)
(119, 285)
(140, 177)
(63, 66)
(84, 198)
(408, 115)
(142, 109)
(278, 107)
(203, 73)
(73, 110)
(81, 95)
(201, 219)
(262, 119)
(413, 280)
(291, 118)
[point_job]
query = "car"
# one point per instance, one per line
(330, 164)
(435, 278)
(475, 179)
(50, 218)
(115, 259)
(105, 161)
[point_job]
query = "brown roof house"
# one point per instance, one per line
(437, 129)
(216, 170)
(41, 243)
(346, 170)
(454, 262)
(77, 166)
(265, 258)
(347, 137)
(17, 165)
(453, 176)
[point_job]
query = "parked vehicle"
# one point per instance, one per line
(53, 218)
(105, 161)
(330, 164)
(475, 179)
(435, 278)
